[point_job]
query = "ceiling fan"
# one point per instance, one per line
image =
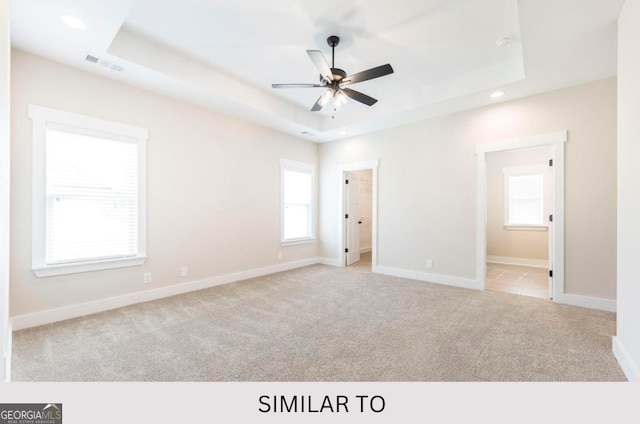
(335, 80)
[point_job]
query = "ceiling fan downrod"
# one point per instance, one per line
(333, 41)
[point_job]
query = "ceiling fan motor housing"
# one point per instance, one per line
(338, 75)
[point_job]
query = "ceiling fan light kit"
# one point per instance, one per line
(335, 79)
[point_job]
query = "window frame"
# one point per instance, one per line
(80, 124)
(290, 165)
(523, 171)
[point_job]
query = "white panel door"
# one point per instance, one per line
(352, 217)
(549, 186)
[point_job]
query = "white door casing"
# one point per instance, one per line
(358, 166)
(5, 57)
(557, 142)
(550, 239)
(352, 217)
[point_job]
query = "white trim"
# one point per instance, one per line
(359, 166)
(521, 227)
(20, 322)
(447, 280)
(44, 117)
(330, 262)
(292, 165)
(365, 249)
(5, 186)
(586, 301)
(537, 140)
(508, 260)
(74, 268)
(297, 166)
(556, 141)
(631, 370)
(523, 170)
(295, 242)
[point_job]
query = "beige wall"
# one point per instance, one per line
(213, 188)
(366, 197)
(427, 184)
(628, 333)
(512, 242)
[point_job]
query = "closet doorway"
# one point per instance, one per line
(358, 217)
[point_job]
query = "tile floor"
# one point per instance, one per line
(525, 280)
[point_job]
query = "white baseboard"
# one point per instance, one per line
(507, 260)
(586, 302)
(430, 278)
(631, 369)
(21, 322)
(330, 261)
(365, 249)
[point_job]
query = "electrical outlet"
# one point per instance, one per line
(429, 263)
(279, 255)
(147, 277)
(184, 271)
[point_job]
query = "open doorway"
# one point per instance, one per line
(359, 217)
(556, 143)
(519, 192)
(357, 230)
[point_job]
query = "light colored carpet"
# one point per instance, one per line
(322, 323)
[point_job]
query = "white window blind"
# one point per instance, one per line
(525, 199)
(88, 194)
(91, 195)
(297, 181)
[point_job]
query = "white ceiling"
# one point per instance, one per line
(224, 54)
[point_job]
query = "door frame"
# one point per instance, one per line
(556, 141)
(342, 228)
(353, 255)
(5, 187)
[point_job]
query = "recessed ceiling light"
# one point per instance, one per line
(497, 94)
(73, 22)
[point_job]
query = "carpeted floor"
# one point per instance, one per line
(323, 323)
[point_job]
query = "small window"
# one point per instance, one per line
(297, 181)
(88, 193)
(524, 197)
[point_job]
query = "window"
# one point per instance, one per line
(524, 194)
(88, 193)
(297, 181)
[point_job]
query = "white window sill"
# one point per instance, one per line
(526, 227)
(73, 268)
(293, 242)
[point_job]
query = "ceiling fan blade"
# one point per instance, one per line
(318, 59)
(360, 97)
(317, 105)
(295, 85)
(372, 73)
